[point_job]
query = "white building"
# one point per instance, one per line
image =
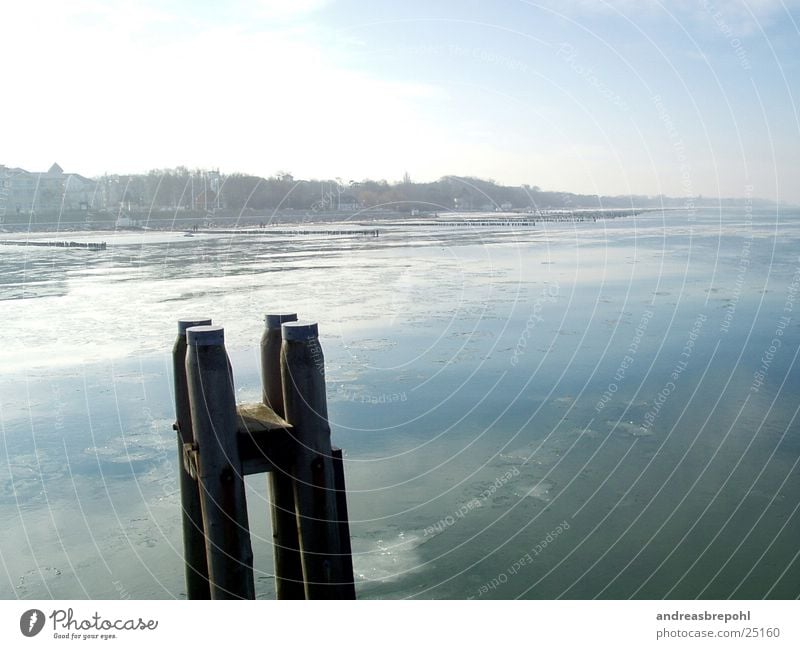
(347, 203)
(51, 191)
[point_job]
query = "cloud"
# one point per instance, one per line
(100, 92)
(284, 9)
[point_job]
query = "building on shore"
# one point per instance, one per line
(347, 203)
(46, 192)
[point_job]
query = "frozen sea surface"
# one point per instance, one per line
(574, 410)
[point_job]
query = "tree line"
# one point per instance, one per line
(209, 190)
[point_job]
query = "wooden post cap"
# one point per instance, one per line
(205, 335)
(275, 320)
(185, 323)
(299, 331)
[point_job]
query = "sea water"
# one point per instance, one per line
(574, 410)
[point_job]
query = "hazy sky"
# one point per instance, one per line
(624, 96)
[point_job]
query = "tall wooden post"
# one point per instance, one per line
(348, 589)
(306, 409)
(194, 544)
(286, 548)
(271, 385)
(219, 472)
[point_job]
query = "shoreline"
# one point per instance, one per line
(181, 221)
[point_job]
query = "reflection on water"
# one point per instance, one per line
(588, 410)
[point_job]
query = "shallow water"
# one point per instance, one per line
(566, 411)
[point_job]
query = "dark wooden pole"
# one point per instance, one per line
(194, 544)
(219, 472)
(271, 385)
(305, 403)
(348, 589)
(286, 547)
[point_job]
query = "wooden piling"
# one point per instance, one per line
(286, 548)
(305, 403)
(343, 524)
(219, 471)
(194, 545)
(271, 385)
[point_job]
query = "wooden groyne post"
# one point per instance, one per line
(219, 466)
(194, 548)
(289, 582)
(286, 435)
(305, 402)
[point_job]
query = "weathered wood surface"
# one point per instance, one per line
(305, 402)
(194, 544)
(219, 467)
(285, 541)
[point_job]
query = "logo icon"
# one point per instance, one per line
(31, 622)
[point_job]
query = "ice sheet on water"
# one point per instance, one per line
(538, 491)
(125, 303)
(385, 555)
(388, 312)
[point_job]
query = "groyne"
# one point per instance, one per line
(57, 244)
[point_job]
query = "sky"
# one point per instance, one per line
(647, 97)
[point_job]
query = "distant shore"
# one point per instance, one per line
(204, 221)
